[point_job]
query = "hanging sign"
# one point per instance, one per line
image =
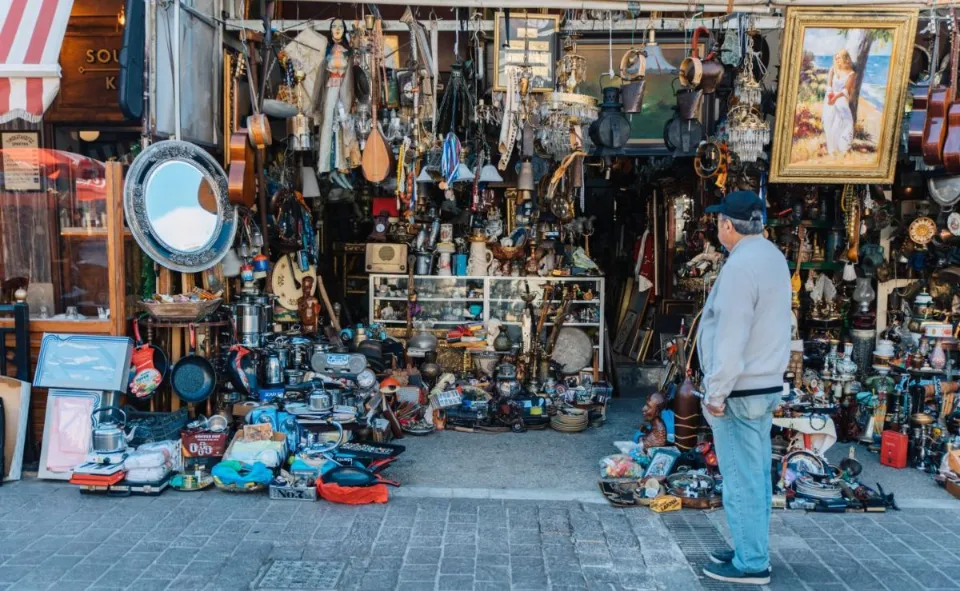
(21, 160)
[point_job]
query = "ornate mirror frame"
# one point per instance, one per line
(135, 207)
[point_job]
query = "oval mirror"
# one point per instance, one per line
(176, 203)
(181, 206)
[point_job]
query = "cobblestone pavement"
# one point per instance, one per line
(51, 536)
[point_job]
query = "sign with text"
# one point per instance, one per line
(21, 160)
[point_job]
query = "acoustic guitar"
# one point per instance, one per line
(920, 93)
(241, 184)
(375, 161)
(935, 126)
(951, 145)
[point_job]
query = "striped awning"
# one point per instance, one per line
(31, 33)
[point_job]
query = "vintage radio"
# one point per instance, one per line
(386, 258)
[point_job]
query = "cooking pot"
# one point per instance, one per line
(700, 74)
(108, 436)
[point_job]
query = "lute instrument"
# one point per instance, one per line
(375, 161)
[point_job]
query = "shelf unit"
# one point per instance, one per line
(445, 297)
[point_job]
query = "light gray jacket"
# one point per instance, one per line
(744, 341)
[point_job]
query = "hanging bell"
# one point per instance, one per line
(525, 178)
(489, 174)
(311, 189)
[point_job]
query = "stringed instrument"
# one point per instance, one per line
(375, 161)
(939, 101)
(241, 184)
(920, 93)
(951, 145)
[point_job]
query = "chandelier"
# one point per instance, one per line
(748, 131)
(564, 112)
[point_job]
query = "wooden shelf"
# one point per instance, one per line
(778, 223)
(817, 266)
(88, 232)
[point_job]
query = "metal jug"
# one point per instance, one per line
(424, 265)
(273, 369)
(633, 69)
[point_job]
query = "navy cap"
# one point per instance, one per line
(739, 205)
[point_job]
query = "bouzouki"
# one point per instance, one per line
(375, 161)
(951, 145)
(935, 126)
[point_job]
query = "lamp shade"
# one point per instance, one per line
(311, 189)
(490, 174)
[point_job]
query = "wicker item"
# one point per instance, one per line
(191, 311)
(570, 420)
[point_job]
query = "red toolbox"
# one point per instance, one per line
(893, 449)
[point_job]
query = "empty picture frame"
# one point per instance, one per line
(15, 396)
(67, 432)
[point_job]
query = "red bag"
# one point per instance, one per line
(352, 495)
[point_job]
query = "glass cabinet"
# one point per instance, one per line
(444, 302)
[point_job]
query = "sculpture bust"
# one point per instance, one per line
(654, 430)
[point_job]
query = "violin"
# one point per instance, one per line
(939, 101)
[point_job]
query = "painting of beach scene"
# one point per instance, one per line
(843, 81)
(841, 94)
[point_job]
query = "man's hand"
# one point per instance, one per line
(716, 411)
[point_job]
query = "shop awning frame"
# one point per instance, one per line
(31, 34)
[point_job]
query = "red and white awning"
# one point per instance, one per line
(31, 33)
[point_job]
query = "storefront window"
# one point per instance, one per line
(53, 229)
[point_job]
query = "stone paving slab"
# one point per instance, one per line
(53, 537)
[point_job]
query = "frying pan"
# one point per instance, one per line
(355, 476)
(140, 353)
(193, 377)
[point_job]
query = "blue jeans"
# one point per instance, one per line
(742, 440)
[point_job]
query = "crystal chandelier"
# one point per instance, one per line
(748, 131)
(564, 112)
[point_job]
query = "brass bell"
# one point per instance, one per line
(525, 178)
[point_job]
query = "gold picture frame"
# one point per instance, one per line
(541, 53)
(830, 55)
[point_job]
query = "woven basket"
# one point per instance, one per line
(190, 311)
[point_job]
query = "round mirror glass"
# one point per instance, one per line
(181, 206)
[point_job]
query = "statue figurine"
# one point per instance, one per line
(308, 307)
(336, 63)
(654, 431)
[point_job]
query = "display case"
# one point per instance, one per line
(63, 240)
(444, 302)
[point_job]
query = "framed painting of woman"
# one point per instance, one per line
(841, 94)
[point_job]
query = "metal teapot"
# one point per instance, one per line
(108, 436)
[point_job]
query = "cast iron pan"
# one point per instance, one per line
(193, 377)
(355, 476)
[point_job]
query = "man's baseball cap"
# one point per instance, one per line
(739, 205)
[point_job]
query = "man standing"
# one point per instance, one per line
(744, 347)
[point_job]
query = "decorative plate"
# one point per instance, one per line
(922, 230)
(953, 223)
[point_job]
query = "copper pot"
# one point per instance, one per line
(701, 74)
